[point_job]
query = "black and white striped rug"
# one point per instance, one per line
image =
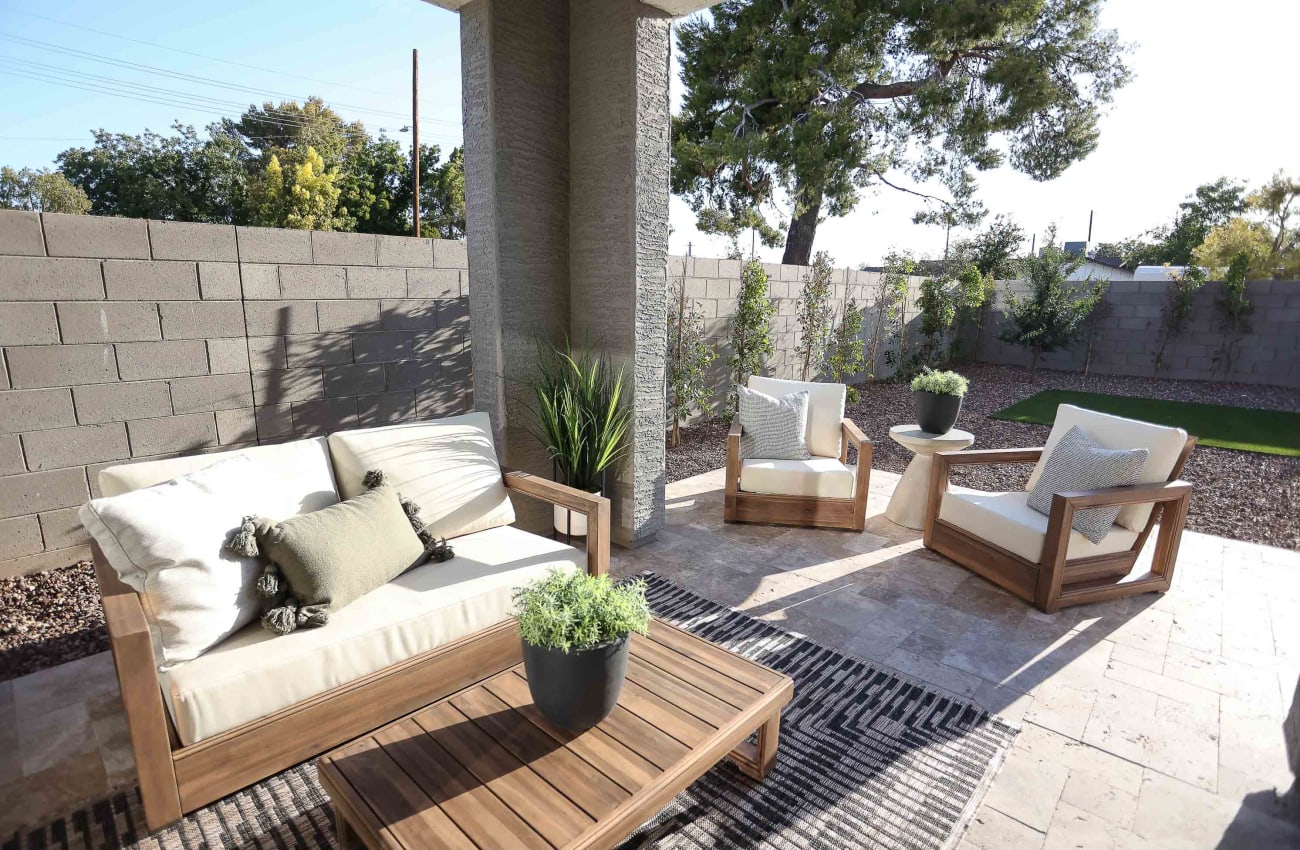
(869, 758)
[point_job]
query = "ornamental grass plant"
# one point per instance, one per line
(572, 611)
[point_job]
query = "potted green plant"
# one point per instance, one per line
(576, 630)
(938, 399)
(581, 419)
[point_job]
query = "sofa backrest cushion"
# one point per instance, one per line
(446, 466)
(1163, 444)
(825, 410)
(303, 466)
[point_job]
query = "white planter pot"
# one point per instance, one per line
(577, 526)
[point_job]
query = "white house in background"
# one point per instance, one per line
(1103, 268)
(1159, 272)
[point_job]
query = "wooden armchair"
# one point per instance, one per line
(1042, 559)
(823, 491)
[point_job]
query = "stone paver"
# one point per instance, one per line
(1151, 722)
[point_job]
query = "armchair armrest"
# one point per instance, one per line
(732, 484)
(595, 507)
(1133, 494)
(852, 435)
(942, 461)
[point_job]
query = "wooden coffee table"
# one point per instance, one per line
(482, 768)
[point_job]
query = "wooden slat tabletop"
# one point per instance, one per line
(483, 769)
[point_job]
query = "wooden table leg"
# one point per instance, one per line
(756, 760)
(344, 833)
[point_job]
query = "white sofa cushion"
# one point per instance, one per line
(822, 477)
(1163, 443)
(446, 466)
(825, 410)
(166, 542)
(254, 674)
(1006, 520)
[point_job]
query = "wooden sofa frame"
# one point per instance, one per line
(177, 779)
(1054, 582)
(739, 506)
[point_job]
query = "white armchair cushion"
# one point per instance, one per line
(773, 427)
(1006, 520)
(820, 477)
(1163, 444)
(825, 410)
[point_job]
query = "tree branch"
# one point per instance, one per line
(883, 179)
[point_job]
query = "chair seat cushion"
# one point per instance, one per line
(1006, 520)
(823, 477)
(253, 673)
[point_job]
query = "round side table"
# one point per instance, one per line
(907, 505)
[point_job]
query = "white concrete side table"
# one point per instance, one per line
(907, 505)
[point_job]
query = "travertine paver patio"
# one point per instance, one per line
(1148, 722)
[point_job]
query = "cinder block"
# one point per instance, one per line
(157, 280)
(228, 355)
(354, 379)
(279, 318)
(20, 536)
(172, 434)
(273, 245)
(95, 236)
(385, 409)
(52, 560)
(453, 314)
(35, 492)
(450, 254)
(50, 279)
(28, 323)
(62, 529)
(201, 319)
(318, 349)
(678, 267)
(211, 392)
(433, 283)
(376, 283)
(348, 315)
(286, 385)
(344, 249)
(405, 251)
(64, 447)
(11, 454)
(409, 315)
(382, 347)
(729, 269)
(704, 267)
(108, 321)
(219, 282)
(444, 400)
(121, 401)
(20, 233)
(411, 375)
(236, 426)
(61, 365)
(274, 422)
(175, 358)
(179, 240)
(324, 415)
(312, 282)
(259, 282)
(267, 352)
(717, 289)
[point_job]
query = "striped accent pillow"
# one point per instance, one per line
(773, 428)
(1077, 462)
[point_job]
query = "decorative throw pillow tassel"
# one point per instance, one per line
(244, 543)
(283, 618)
(270, 582)
(313, 616)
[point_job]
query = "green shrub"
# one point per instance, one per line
(571, 611)
(940, 383)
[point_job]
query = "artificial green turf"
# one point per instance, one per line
(1274, 432)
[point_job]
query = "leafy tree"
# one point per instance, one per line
(813, 100)
(1050, 316)
(689, 358)
(1275, 201)
(1240, 240)
(1177, 308)
(938, 305)
(751, 331)
(844, 356)
(1235, 308)
(442, 193)
(995, 251)
(1210, 206)
(303, 197)
(41, 191)
(973, 294)
(814, 313)
(885, 342)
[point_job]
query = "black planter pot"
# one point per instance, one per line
(576, 690)
(936, 413)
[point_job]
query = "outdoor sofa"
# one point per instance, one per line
(256, 703)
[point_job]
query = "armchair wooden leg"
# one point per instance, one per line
(1173, 516)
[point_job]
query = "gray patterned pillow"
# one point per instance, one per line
(1077, 462)
(773, 428)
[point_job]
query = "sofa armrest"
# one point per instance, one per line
(595, 507)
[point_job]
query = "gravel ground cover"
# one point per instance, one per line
(1239, 495)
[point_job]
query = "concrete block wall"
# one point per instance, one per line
(124, 339)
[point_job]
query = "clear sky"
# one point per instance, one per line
(1213, 95)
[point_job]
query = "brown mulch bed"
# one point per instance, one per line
(1239, 495)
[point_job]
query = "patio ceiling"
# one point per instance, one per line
(672, 7)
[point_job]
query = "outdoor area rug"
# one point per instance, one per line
(868, 758)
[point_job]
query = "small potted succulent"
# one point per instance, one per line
(576, 630)
(938, 399)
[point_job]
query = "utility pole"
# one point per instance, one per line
(1090, 212)
(415, 142)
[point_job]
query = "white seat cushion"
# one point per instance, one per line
(823, 477)
(446, 466)
(253, 673)
(1163, 444)
(825, 410)
(1006, 520)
